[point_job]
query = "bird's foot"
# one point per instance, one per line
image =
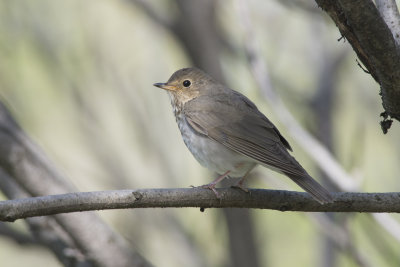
(239, 185)
(210, 186)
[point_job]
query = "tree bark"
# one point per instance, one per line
(361, 24)
(11, 210)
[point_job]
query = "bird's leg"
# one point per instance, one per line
(212, 185)
(240, 185)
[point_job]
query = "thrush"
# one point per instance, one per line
(227, 133)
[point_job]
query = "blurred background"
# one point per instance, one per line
(78, 75)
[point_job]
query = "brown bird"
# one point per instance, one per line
(227, 134)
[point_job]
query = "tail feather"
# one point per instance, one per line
(318, 192)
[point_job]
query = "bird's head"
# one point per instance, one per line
(186, 84)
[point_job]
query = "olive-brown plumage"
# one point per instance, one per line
(226, 132)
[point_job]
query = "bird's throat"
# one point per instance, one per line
(178, 100)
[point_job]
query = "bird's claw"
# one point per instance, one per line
(240, 186)
(210, 186)
(213, 189)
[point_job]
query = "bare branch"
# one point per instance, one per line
(22, 160)
(360, 22)
(313, 147)
(11, 210)
(390, 14)
(45, 230)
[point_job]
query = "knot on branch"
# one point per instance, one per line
(138, 196)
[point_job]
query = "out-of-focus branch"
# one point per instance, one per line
(302, 5)
(153, 14)
(313, 147)
(322, 107)
(391, 225)
(195, 26)
(20, 238)
(45, 230)
(317, 151)
(21, 159)
(360, 22)
(390, 14)
(11, 210)
(340, 238)
(244, 241)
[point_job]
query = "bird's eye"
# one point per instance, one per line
(186, 83)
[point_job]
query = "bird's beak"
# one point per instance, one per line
(165, 86)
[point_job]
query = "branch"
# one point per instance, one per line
(22, 160)
(17, 236)
(325, 160)
(311, 146)
(11, 210)
(44, 230)
(389, 224)
(360, 22)
(153, 14)
(390, 14)
(341, 238)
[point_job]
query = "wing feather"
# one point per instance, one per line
(248, 133)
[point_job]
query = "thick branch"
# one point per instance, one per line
(21, 159)
(359, 21)
(45, 230)
(11, 210)
(16, 236)
(390, 14)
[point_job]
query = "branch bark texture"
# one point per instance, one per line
(361, 24)
(390, 13)
(11, 210)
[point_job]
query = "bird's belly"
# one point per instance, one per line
(213, 155)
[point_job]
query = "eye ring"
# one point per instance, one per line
(186, 83)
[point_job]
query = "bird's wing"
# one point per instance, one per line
(242, 128)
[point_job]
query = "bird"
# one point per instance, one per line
(226, 132)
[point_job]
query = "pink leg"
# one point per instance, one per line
(240, 185)
(214, 183)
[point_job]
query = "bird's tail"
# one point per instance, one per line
(318, 192)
